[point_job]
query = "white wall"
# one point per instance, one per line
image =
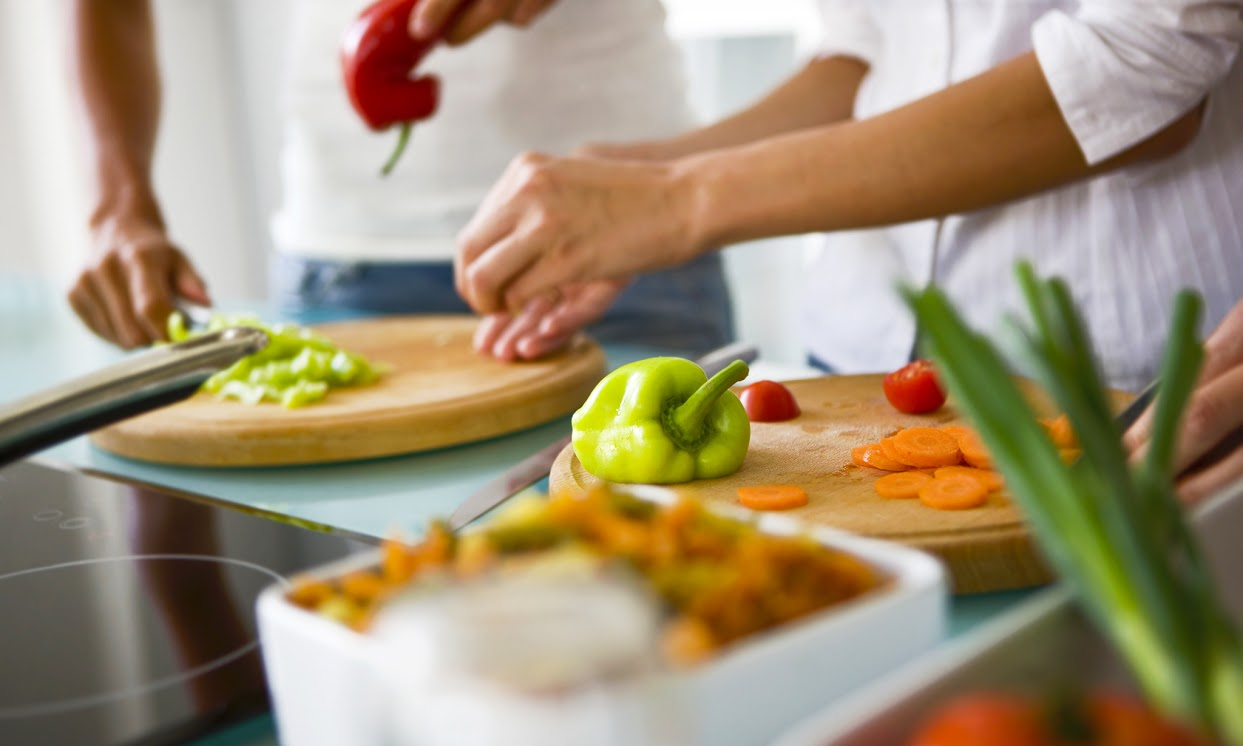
(216, 160)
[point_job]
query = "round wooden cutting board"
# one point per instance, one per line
(437, 392)
(984, 549)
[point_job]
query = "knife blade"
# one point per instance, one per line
(536, 466)
(1136, 407)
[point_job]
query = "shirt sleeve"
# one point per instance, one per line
(1123, 70)
(848, 29)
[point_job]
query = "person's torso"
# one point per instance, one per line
(1126, 242)
(586, 70)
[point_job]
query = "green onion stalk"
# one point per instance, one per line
(1115, 532)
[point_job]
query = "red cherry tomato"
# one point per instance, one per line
(769, 401)
(913, 388)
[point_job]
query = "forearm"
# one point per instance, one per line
(118, 80)
(988, 140)
(821, 93)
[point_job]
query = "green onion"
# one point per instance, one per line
(1115, 532)
(296, 368)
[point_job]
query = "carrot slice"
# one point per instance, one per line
(926, 447)
(955, 431)
(991, 480)
(953, 493)
(772, 497)
(903, 484)
(973, 451)
(1060, 431)
(872, 455)
(888, 448)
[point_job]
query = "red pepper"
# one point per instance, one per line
(378, 57)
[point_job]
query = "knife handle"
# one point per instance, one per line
(146, 381)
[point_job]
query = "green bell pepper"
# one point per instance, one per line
(660, 421)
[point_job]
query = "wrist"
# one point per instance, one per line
(697, 183)
(126, 205)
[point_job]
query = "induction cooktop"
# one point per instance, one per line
(127, 611)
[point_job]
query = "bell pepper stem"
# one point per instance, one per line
(685, 423)
(403, 137)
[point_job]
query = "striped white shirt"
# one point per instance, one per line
(1126, 242)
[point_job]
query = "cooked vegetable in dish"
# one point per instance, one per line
(719, 578)
(1114, 531)
(297, 367)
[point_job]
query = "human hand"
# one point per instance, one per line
(1213, 415)
(127, 290)
(459, 21)
(546, 324)
(551, 223)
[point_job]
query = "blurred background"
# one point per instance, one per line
(216, 161)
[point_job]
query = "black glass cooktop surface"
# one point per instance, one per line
(127, 613)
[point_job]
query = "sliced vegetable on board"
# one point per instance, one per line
(772, 497)
(297, 368)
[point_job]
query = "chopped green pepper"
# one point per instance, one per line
(296, 368)
(661, 420)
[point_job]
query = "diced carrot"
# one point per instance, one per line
(363, 585)
(991, 480)
(1060, 431)
(926, 447)
(772, 497)
(872, 455)
(397, 560)
(903, 484)
(310, 592)
(686, 640)
(1070, 455)
(953, 493)
(973, 451)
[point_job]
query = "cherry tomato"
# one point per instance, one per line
(769, 401)
(913, 388)
(1008, 719)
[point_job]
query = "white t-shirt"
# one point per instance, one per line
(1126, 242)
(586, 70)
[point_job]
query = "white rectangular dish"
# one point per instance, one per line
(326, 689)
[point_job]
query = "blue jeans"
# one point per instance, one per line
(685, 310)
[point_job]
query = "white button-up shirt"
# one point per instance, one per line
(1126, 242)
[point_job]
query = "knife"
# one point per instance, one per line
(1131, 413)
(536, 466)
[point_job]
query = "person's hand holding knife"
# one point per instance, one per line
(1209, 452)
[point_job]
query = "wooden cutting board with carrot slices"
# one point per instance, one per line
(986, 548)
(437, 392)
